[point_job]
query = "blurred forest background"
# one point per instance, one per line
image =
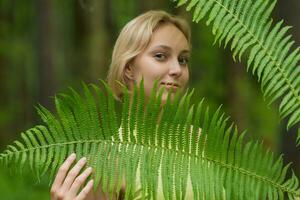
(48, 45)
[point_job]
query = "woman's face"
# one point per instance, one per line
(165, 60)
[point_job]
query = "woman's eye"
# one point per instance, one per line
(160, 56)
(183, 61)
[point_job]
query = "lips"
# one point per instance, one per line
(170, 86)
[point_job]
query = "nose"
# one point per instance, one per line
(175, 68)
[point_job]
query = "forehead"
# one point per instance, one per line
(169, 35)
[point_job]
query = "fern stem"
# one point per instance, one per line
(165, 149)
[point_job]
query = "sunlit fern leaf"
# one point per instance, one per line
(170, 149)
(247, 24)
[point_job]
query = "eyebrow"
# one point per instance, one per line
(169, 48)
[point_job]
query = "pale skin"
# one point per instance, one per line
(165, 59)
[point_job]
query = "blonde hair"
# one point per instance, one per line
(133, 39)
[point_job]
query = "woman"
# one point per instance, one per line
(152, 46)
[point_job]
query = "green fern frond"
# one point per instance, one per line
(247, 24)
(170, 150)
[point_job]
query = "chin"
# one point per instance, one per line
(165, 97)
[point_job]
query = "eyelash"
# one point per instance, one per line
(162, 57)
(186, 60)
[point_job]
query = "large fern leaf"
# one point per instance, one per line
(247, 24)
(174, 151)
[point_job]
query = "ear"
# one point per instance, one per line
(129, 72)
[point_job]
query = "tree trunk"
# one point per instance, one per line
(47, 81)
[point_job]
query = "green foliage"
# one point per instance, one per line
(176, 149)
(247, 24)
(14, 187)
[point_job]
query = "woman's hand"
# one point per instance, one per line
(67, 183)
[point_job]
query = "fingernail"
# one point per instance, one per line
(83, 159)
(91, 182)
(73, 155)
(90, 169)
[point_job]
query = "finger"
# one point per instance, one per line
(61, 174)
(85, 191)
(73, 173)
(80, 180)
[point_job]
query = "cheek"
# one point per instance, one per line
(154, 70)
(158, 76)
(151, 71)
(185, 76)
(147, 70)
